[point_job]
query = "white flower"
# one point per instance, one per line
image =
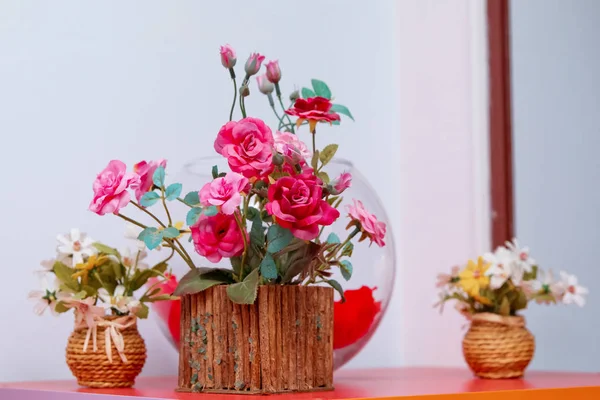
(46, 298)
(117, 301)
(133, 305)
(132, 232)
(501, 268)
(545, 287)
(520, 256)
(132, 259)
(47, 266)
(75, 245)
(573, 293)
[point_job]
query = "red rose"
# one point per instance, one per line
(314, 109)
(352, 319)
(296, 203)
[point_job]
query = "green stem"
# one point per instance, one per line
(242, 101)
(183, 201)
(164, 202)
(132, 221)
(281, 122)
(314, 141)
(283, 108)
(148, 212)
(234, 93)
(243, 231)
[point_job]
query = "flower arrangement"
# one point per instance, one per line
(503, 283)
(267, 214)
(94, 280)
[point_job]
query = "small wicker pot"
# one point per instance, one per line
(107, 366)
(497, 347)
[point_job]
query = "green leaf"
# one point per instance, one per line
(324, 177)
(278, 238)
(200, 279)
(159, 176)
(268, 268)
(336, 122)
(321, 89)
(193, 215)
(211, 211)
(346, 269)
(529, 276)
(173, 191)
(149, 199)
(64, 274)
(102, 248)
(160, 268)
(257, 232)
(504, 308)
(142, 311)
(348, 249)
(315, 160)
(140, 278)
(333, 238)
(336, 285)
(252, 213)
(161, 297)
(171, 232)
(519, 302)
(152, 237)
(118, 269)
(327, 153)
(307, 93)
(61, 307)
(244, 292)
(340, 109)
(192, 198)
(215, 172)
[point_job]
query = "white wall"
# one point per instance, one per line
(555, 63)
(82, 83)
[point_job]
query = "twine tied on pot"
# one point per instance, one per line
(515, 321)
(112, 334)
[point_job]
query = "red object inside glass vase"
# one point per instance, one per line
(352, 319)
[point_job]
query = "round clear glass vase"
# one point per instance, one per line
(367, 293)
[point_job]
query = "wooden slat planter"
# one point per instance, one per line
(281, 343)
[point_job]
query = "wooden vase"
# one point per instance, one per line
(94, 369)
(497, 347)
(281, 343)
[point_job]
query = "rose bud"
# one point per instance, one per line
(273, 71)
(295, 95)
(228, 56)
(253, 64)
(245, 91)
(278, 159)
(264, 85)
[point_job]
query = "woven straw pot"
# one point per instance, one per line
(93, 368)
(497, 347)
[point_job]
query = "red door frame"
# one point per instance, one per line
(501, 167)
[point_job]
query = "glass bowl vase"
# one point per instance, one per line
(367, 293)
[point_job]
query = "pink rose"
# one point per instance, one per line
(296, 204)
(293, 149)
(273, 71)
(253, 64)
(248, 147)
(110, 188)
(370, 226)
(264, 86)
(217, 237)
(145, 170)
(224, 192)
(343, 182)
(228, 56)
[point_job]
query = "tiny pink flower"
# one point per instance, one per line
(248, 146)
(85, 310)
(446, 279)
(228, 56)
(273, 71)
(369, 224)
(145, 170)
(110, 188)
(217, 237)
(343, 182)
(264, 85)
(253, 64)
(224, 192)
(293, 149)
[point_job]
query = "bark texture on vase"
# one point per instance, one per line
(281, 343)
(498, 347)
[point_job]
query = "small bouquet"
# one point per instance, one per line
(95, 280)
(503, 282)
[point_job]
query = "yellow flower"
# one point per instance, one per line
(473, 278)
(84, 269)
